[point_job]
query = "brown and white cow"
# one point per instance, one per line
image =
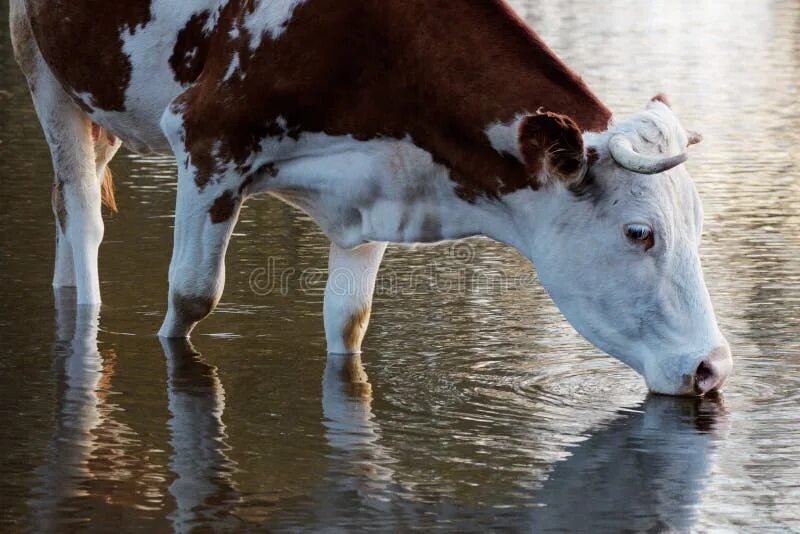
(412, 121)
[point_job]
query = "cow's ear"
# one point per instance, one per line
(552, 149)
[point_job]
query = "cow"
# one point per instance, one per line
(387, 122)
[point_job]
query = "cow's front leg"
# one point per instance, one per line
(204, 220)
(348, 295)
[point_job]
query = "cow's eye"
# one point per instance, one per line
(640, 233)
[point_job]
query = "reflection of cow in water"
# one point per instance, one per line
(412, 121)
(204, 490)
(95, 470)
(90, 470)
(643, 472)
(645, 469)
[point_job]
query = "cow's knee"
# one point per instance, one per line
(196, 282)
(194, 308)
(185, 311)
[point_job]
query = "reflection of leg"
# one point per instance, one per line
(78, 367)
(82, 374)
(352, 432)
(203, 488)
(347, 395)
(348, 295)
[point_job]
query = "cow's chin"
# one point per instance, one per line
(661, 387)
(673, 375)
(670, 376)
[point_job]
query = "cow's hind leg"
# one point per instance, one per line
(348, 295)
(80, 152)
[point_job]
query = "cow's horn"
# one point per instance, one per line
(622, 151)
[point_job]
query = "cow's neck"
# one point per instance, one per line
(475, 64)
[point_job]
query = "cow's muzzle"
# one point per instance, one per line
(712, 371)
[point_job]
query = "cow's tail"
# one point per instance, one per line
(107, 191)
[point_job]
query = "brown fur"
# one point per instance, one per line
(82, 44)
(552, 144)
(355, 327)
(661, 97)
(193, 308)
(107, 191)
(367, 68)
(191, 49)
(374, 68)
(223, 208)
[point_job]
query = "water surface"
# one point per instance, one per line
(475, 404)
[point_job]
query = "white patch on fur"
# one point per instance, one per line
(361, 191)
(233, 68)
(504, 136)
(152, 85)
(269, 17)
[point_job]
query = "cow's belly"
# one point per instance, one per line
(123, 62)
(380, 190)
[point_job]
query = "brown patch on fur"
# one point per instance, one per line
(193, 308)
(340, 68)
(82, 44)
(191, 49)
(355, 328)
(370, 78)
(223, 208)
(107, 195)
(552, 144)
(591, 156)
(59, 205)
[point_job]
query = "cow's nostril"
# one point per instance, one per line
(705, 377)
(704, 371)
(710, 373)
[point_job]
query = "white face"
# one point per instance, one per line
(621, 262)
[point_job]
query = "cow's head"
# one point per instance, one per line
(614, 231)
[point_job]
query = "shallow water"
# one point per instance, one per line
(475, 404)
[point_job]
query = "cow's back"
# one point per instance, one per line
(124, 61)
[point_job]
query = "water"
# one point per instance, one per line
(475, 404)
